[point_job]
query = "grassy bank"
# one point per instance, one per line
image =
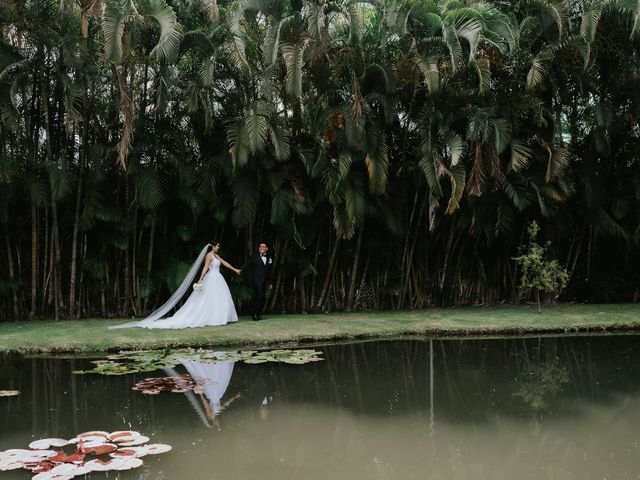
(93, 335)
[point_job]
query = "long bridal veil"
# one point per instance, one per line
(175, 298)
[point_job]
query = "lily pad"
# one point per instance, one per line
(124, 448)
(151, 360)
(46, 443)
(180, 384)
(127, 463)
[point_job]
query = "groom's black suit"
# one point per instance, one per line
(260, 271)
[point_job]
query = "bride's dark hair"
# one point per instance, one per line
(212, 244)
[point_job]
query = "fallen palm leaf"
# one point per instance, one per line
(9, 393)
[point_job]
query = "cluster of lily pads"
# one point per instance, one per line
(150, 360)
(92, 452)
(180, 384)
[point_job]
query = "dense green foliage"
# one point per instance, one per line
(392, 152)
(540, 275)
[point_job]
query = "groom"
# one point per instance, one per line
(259, 267)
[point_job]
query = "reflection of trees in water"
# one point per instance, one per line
(473, 380)
(541, 383)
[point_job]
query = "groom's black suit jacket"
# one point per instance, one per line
(260, 272)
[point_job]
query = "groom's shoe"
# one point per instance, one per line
(255, 317)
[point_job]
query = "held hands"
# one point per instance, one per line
(238, 272)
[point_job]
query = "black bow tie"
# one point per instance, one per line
(263, 254)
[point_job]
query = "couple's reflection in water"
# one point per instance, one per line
(211, 398)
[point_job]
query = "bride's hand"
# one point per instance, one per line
(238, 271)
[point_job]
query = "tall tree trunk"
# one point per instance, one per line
(34, 258)
(74, 239)
(55, 250)
(409, 255)
(312, 294)
(152, 235)
(127, 256)
(12, 275)
(276, 289)
(354, 271)
(82, 158)
(327, 278)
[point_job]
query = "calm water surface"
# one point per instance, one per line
(549, 408)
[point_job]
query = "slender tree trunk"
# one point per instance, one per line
(303, 295)
(81, 283)
(55, 250)
(76, 222)
(443, 277)
(276, 290)
(152, 235)
(327, 278)
(34, 258)
(12, 275)
(312, 294)
(127, 256)
(135, 297)
(354, 271)
(409, 258)
(46, 273)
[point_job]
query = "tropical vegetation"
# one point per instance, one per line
(392, 152)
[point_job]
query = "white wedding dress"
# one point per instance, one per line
(212, 305)
(216, 377)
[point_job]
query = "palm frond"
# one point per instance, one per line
(150, 188)
(115, 18)
(590, 19)
(257, 127)
(517, 192)
(429, 69)
(457, 176)
(456, 146)
(238, 141)
(557, 10)
(246, 192)
(520, 156)
(210, 8)
(377, 163)
(293, 55)
(470, 29)
(168, 45)
(60, 180)
(483, 69)
(279, 135)
(557, 164)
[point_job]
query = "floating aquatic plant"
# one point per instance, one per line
(108, 451)
(180, 384)
(150, 360)
(9, 393)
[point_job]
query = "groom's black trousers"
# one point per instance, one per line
(259, 290)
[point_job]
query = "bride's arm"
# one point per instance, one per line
(228, 265)
(205, 269)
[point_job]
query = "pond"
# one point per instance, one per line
(553, 408)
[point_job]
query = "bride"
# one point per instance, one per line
(210, 303)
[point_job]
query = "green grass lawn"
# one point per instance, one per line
(93, 336)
